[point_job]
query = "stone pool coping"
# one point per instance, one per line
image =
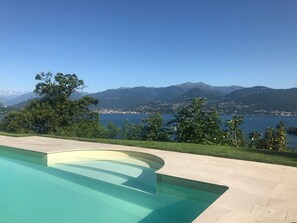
(258, 192)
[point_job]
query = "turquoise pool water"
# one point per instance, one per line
(124, 190)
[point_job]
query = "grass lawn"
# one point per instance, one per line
(284, 158)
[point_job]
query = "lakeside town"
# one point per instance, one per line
(260, 112)
(167, 109)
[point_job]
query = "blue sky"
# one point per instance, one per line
(126, 43)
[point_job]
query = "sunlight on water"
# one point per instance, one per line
(98, 191)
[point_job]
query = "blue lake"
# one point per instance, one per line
(251, 123)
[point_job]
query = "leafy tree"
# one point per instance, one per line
(281, 139)
(85, 129)
(153, 130)
(213, 123)
(256, 140)
(131, 131)
(235, 135)
(60, 85)
(273, 139)
(269, 138)
(17, 122)
(111, 131)
(196, 125)
(53, 112)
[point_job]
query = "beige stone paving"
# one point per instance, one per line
(258, 192)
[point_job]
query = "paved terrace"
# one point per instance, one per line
(262, 193)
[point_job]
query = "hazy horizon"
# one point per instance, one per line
(20, 92)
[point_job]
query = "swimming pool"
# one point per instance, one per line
(124, 188)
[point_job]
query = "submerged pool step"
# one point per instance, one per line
(123, 188)
(128, 175)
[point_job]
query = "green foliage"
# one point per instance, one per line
(17, 122)
(256, 140)
(196, 125)
(131, 131)
(150, 130)
(111, 131)
(213, 129)
(281, 139)
(235, 136)
(60, 85)
(54, 112)
(84, 129)
(153, 130)
(273, 139)
(269, 138)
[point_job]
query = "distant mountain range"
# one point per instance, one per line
(20, 100)
(227, 99)
(144, 97)
(7, 95)
(263, 98)
(10, 93)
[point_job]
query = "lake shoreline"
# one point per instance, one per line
(251, 122)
